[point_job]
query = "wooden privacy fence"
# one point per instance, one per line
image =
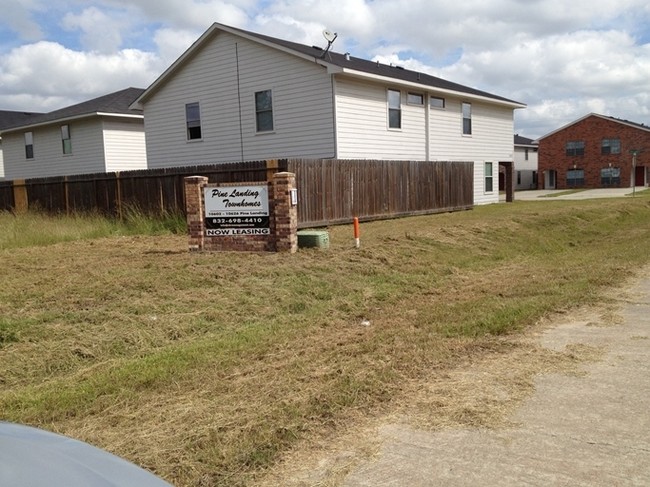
(329, 191)
(334, 191)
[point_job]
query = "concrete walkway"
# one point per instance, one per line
(547, 194)
(591, 430)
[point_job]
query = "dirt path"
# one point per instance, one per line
(568, 405)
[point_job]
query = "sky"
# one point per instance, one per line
(563, 59)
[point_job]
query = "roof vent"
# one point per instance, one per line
(347, 56)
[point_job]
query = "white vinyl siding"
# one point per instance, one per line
(302, 107)
(124, 146)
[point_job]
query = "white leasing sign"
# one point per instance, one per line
(236, 210)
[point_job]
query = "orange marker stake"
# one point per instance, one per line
(357, 240)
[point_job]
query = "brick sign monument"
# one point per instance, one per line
(258, 217)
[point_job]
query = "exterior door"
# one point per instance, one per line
(639, 176)
(549, 179)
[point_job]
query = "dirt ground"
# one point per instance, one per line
(481, 409)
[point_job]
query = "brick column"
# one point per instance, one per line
(286, 214)
(194, 207)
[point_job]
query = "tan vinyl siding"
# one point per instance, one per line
(362, 124)
(2, 162)
(124, 146)
(302, 107)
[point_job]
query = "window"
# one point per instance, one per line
(394, 109)
(29, 145)
(435, 102)
(264, 111)
(610, 176)
(193, 120)
(467, 118)
(526, 152)
(415, 99)
(575, 177)
(610, 146)
(518, 177)
(66, 142)
(575, 148)
(489, 186)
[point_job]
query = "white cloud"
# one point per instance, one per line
(100, 32)
(45, 75)
(564, 59)
(18, 18)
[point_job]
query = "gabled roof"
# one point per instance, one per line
(519, 140)
(113, 104)
(12, 119)
(336, 63)
(627, 123)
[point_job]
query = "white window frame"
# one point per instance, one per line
(66, 140)
(258, 112)
(393, 109)
(488, 177)
(443, 103)
(466, 129)
(29, 145)
(414, 98)
(191, 123)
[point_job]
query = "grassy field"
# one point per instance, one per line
(206, 368)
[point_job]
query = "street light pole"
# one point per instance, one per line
(633, 178)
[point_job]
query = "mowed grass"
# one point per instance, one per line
(205, 368)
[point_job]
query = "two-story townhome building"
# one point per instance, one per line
(237, 96)
(100, 135)
(526, 163)
(595, 151)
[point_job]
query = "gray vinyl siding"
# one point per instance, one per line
(49, 160)
(98, 145)
(124, 146)
(302, 107)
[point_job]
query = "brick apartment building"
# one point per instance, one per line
(595, 151)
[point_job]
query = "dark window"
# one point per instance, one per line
(66, 141)
(394, 109)
(575, 177)
(193, 119)
(264, 111)
(29, 145)
(575, 148)
(610, 146)
(610, 176)
(415, 99)
(467, 118)
(435, 102)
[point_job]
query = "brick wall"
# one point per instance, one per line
(283, 218)
(592, 130)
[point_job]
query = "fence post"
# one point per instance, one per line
(194, 207)
(21, 200)
(285, 212)
(118, 201)
(271, 168)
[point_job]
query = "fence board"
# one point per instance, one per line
(329, 191)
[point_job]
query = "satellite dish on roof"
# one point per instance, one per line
(329, 35)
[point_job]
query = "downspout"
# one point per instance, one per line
(334, 118)
(427, 134)
(241, 130)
